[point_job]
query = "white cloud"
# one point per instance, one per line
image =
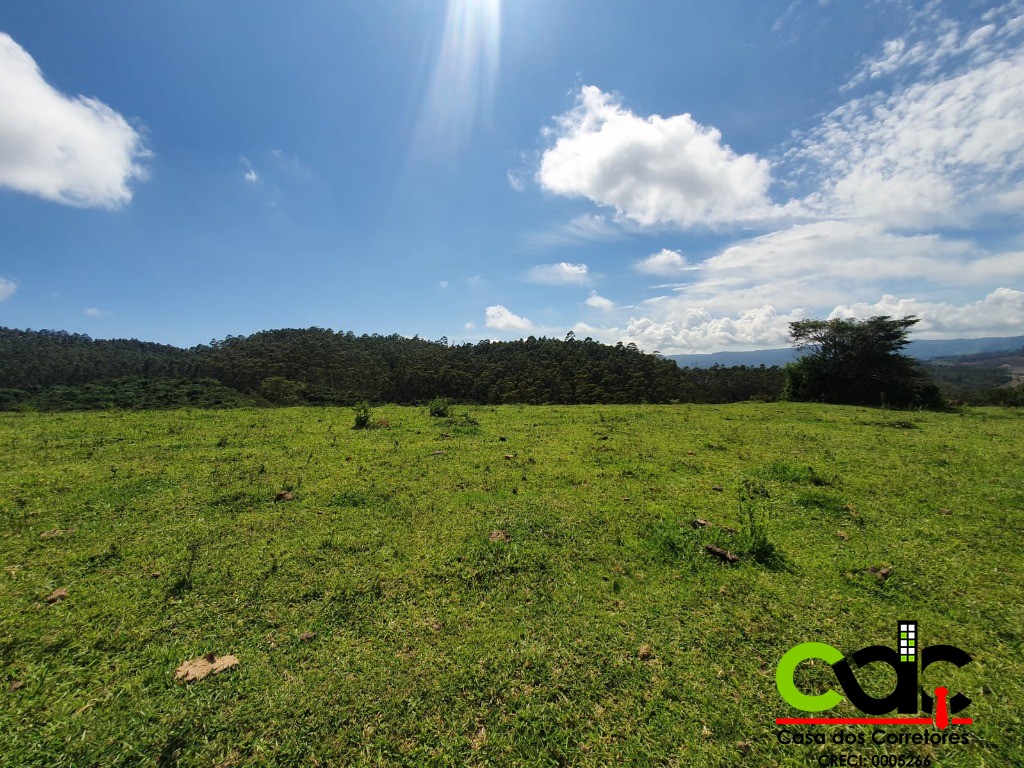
(1000, 313)
(664, 263)
(947, 149)
(581, 229)
(250, 173)
(599, 302)
(443, 285)
(562, 273)
(515, 180)
(7, 288)
(500, 318)
(746, 295)
(76, 151)
(469, 326)
(698, 330)
(652, 170)
(95, 312)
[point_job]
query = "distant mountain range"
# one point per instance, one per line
(924, 349)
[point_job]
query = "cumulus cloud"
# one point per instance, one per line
(7, 288)
(600, 302)
(665, 263)
(746, 295)
(71, 150)
(696, 329)
(500, 318)
(562, 273)
(999, 313)
(652, 170)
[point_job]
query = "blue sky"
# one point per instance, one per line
(688, 176)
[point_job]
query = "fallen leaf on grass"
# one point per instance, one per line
(645, 652)
(945, 511)
(438, 453)
(55, 532)
(499, 536)
(705, 732)
(284, 496)
(57, 595)
(880, 573)
(717, 488)
(700, 523)
(843, 535)
(210, 664)
(15, 686)
(727, 529)
(509, 456)
(307, 636)
(479, 740)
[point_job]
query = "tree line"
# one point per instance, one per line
(56, 370)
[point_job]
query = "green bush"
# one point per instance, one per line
(362, 420)
(440, 407)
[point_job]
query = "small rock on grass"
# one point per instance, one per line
(210, 664)
(722, 554)
(880, 573)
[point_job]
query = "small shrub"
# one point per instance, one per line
(440, 407)
(754, 512)
(362, 420)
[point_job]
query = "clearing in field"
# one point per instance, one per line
(506, 586)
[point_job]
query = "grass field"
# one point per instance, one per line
(512, 586)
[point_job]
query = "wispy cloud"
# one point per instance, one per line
(586, 228)
(250, 172)
(7, 288)
(72, 150)
(562, 273)
(95, 312)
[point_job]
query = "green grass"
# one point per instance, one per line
(437, 646)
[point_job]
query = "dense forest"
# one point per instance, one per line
(55, 370)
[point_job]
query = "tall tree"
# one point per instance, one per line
(858, 362)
